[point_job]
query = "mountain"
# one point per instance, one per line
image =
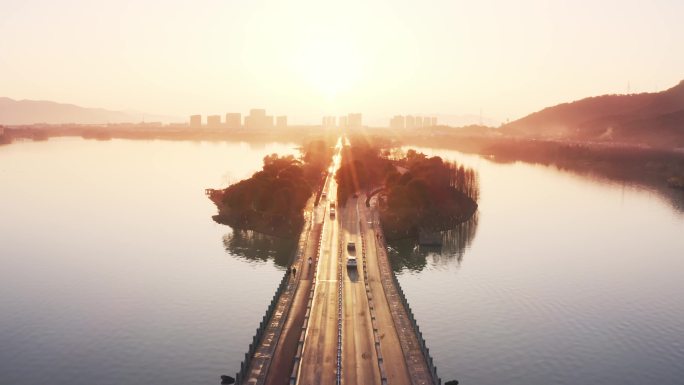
(655, 119)
(17, 112)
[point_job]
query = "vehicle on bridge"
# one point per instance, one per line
(351, 262)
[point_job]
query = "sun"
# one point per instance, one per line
(330, 66)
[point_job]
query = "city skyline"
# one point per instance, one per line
(450, 58)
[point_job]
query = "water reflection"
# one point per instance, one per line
(258, 247)
(407, 254)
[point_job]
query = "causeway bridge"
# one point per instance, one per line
(331, 324)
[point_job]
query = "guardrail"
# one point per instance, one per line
(419, 335)
(340, 293)
(371, 309)
(245, 364)
(297, 255)
(423, 345)
(305, 324)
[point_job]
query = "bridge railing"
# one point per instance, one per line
(419, 335)
(245, 364)
(296, 255)
(423, 344)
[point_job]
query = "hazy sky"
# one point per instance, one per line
(305, 58)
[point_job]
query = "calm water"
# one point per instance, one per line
(114, 273)
(559, 280)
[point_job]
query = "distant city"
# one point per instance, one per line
(258, 119)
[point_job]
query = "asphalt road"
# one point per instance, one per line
(359, 359)
(319, 357)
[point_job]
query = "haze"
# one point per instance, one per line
(308, 58)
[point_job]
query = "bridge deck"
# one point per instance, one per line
(339, 325)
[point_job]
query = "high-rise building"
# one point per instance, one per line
(410, 121)
(329, 122)
(342, 122)
(257, 113)
(257, 119)
(281, 121)
(398, 122)
(195, 121)
(233, 120)
(355, 121)
(214, 121)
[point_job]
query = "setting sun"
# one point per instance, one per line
(330, 65)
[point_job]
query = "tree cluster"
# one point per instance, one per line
(279, 189)
(419, 192)
(273, 199)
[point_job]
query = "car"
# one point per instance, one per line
(332, 212)
(351, 262)
(324, 195)
(351, 246)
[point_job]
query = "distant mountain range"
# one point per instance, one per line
(17, 112)
(655, 119)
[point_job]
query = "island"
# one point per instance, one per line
(417, 195)
(273, 200)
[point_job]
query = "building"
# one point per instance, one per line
(433, 121)
(410, 121)
(233, 120)
(329, 122)
(257, 119)
(281, 121)
(214, 121)
(195, 121)
(355, 121)
(398, 122)
(342, 122)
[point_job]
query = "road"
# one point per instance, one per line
(360, 360)
(319, 356)
(354, 312)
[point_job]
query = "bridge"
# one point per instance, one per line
(332, 324)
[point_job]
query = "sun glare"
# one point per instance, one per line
(329, 66)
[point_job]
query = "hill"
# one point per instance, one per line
(19, 112)
(655, 119)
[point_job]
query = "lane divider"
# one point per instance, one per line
(371, 309)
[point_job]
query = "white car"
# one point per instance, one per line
(351, 262)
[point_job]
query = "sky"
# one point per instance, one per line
(307, 58)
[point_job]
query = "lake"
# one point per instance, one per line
(113, 271)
